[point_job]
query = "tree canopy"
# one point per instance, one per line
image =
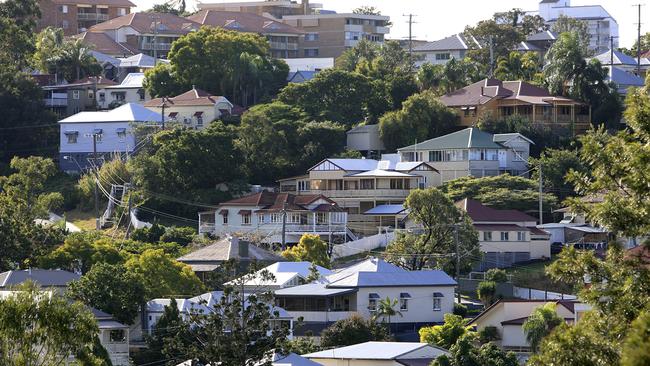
(310, 248)
(352, 330)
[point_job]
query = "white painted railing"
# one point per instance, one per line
(362, 245)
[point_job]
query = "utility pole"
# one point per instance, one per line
(284, 226)
(638, 42)
(162, 117)
(128, 228)
(541, 211)
(410, 39)
(457, 260)
(611, 54)
(97, 226)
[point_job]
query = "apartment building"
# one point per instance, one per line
(600, 23)
(326, 33)
(146, 32)
(75, 16)
(496, 99)
(283, 38)
(472, 152)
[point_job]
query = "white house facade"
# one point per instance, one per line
(111, 130)
(194, 109)
(130, 90)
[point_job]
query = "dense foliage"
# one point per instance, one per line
(352, 330)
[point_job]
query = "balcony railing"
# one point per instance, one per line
(159, 46)
(56, 102)
(92, 16)
(283, 46)
(403, 193)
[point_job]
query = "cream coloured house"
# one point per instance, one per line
(195, 108)
(379, 354)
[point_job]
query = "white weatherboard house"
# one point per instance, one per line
(379, 354)
(195, 108)
(113, 130)
(130, 90)
(424, 296)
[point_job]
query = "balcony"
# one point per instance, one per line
(159, 46)
(283, 46)
(92, 16)
(56, 102)
(382, 30)
(322, 316)
(363, 193)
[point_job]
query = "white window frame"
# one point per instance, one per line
(505, 236)
(246, 219)
(76, 94)
(404, 304)
(487, 236)
(372, 305)
(521, 236)
(437, 304)
(64, 9)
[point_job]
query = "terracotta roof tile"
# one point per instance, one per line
(124, 3)
(192, 97)
(243, 22)
(144, 23)
(105, 44)
(481, 213)
(273, 201)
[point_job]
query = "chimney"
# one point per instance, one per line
(243, 249)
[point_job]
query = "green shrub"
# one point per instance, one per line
(460, 310)
(489, 334)
(497, 275)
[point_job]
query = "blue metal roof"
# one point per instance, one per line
(386, 210)
(391, 279)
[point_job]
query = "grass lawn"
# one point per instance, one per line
(533, 275)
(85, 220)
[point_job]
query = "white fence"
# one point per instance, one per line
(532, 294)
(362, 245)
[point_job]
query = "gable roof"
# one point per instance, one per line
(394, 279)
(568, 304)
(451, 43)
(105, 44)
(543, 36)
(140, 60)
(623, 78)
(192, 97)
(144, 23)
(130, 112)
(42, 277)
(619, 58)
(478, 212)
(470, 137)
(132, 80)
(228, 248)
(242, 22)
(282, 273)
(266, 200)
(376, 351)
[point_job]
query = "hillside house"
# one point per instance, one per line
(195, 108)
(379, 354)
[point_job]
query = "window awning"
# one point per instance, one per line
(404, 295)
(438, 294)
(472, 108)
(198, 114)
(173, 114)
(98, 131)
(120, 130)
(71, 133)
(223, 212)
(244, 212)
(464, 108)
(373, 295)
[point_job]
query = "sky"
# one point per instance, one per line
(437, 19)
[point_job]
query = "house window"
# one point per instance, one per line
(487, 236)
(261, 219)
(91, 94)
(98, 133)
(64, 9)
(75, 94)
(102, 96)
(117, 336)
(311, 52)
(404, 301)
(293, 218)
(121, 11)
(372, 301)
(121, 133)
(141, 94)
(505, 236)
(72, 136)
(246, 219)
(311, 37)
(224, 216)
(521, 235)
(199, 118)
(396, 184)
(443, 56)
(276, 218)
(321, 217)
(65, 24)
(367, 183)
(520, 155)
(435, 155)
(351, 185)
(437, 301)
(303, 185)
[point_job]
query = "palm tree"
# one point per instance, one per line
(386, 310)
(77, 61)
(540, 323)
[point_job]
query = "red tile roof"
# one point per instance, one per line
(192, 97)
(486, 90)
(144, 23)
(640, 253)
(243, 22)
(481, 213)
(496, 227)
(105, 44)
(123, 3)
(272, 201)
(92, 80)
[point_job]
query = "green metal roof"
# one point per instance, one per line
(468, 138)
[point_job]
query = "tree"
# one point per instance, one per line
(556, 163)
(499, 192)
(163, 276)
(615, 166)
(540, 323)
(486, 292)
(38, 329)
(637, 344)
(496, 275)
(334, 95)
(23, 200)
(310, 248)
(386, 310)
(568, 73)
(516, 66)
(81, 251)
(112, 289)
(567, 24)
(219, 61)
(422, 117)
(161, 339)
(236, 330)
(70, 59)
(445, 335)
(502, 37)
(453, 75)
(441, 221)
(352, 330)
(465, 353)
(352, 57)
